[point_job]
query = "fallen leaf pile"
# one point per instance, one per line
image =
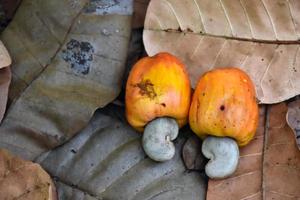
(69, 60)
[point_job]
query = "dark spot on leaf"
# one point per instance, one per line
(222, 107)
(79, 55)
(168, 30)
(146, 88)
(203, 94)
(294, 69)
(95, 5)
(189, 30)
(281, 4)
(163, 104)
(262, 59)
(73, 151)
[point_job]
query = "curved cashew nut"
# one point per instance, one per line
(157, 138)
(223, 153)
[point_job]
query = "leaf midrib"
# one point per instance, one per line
(285, 42)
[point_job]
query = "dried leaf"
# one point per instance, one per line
(293, 119)
(140, 7)
(192, 154)
(260, 37)
(10, 7)
(69, 57)
(106, 160)
(5, 59)
(5, 78)
(66, 192)
(269, 166)
(20, 179)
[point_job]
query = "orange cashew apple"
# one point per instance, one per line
(157, 102)
(224, 113)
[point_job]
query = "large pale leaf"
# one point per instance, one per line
(258, 36)
(23, 180)
(5, 78)
(69, 59)
(269, 166)
(106, 160)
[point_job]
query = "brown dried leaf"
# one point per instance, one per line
(269, 166)
(69, 58)
(10, 7)
(5, 59)
(293, 119)
(259, 36)
(20, 179)
(139, 13)
(5, 78)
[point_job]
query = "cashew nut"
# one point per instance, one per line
(223, 153)
(157, 138)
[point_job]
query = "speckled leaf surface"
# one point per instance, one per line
(69, 59)
(106, 161)
(269, 167)
(23, 180)
(259, 36)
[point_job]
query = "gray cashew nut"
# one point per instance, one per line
(223, 153)
(157, 138)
